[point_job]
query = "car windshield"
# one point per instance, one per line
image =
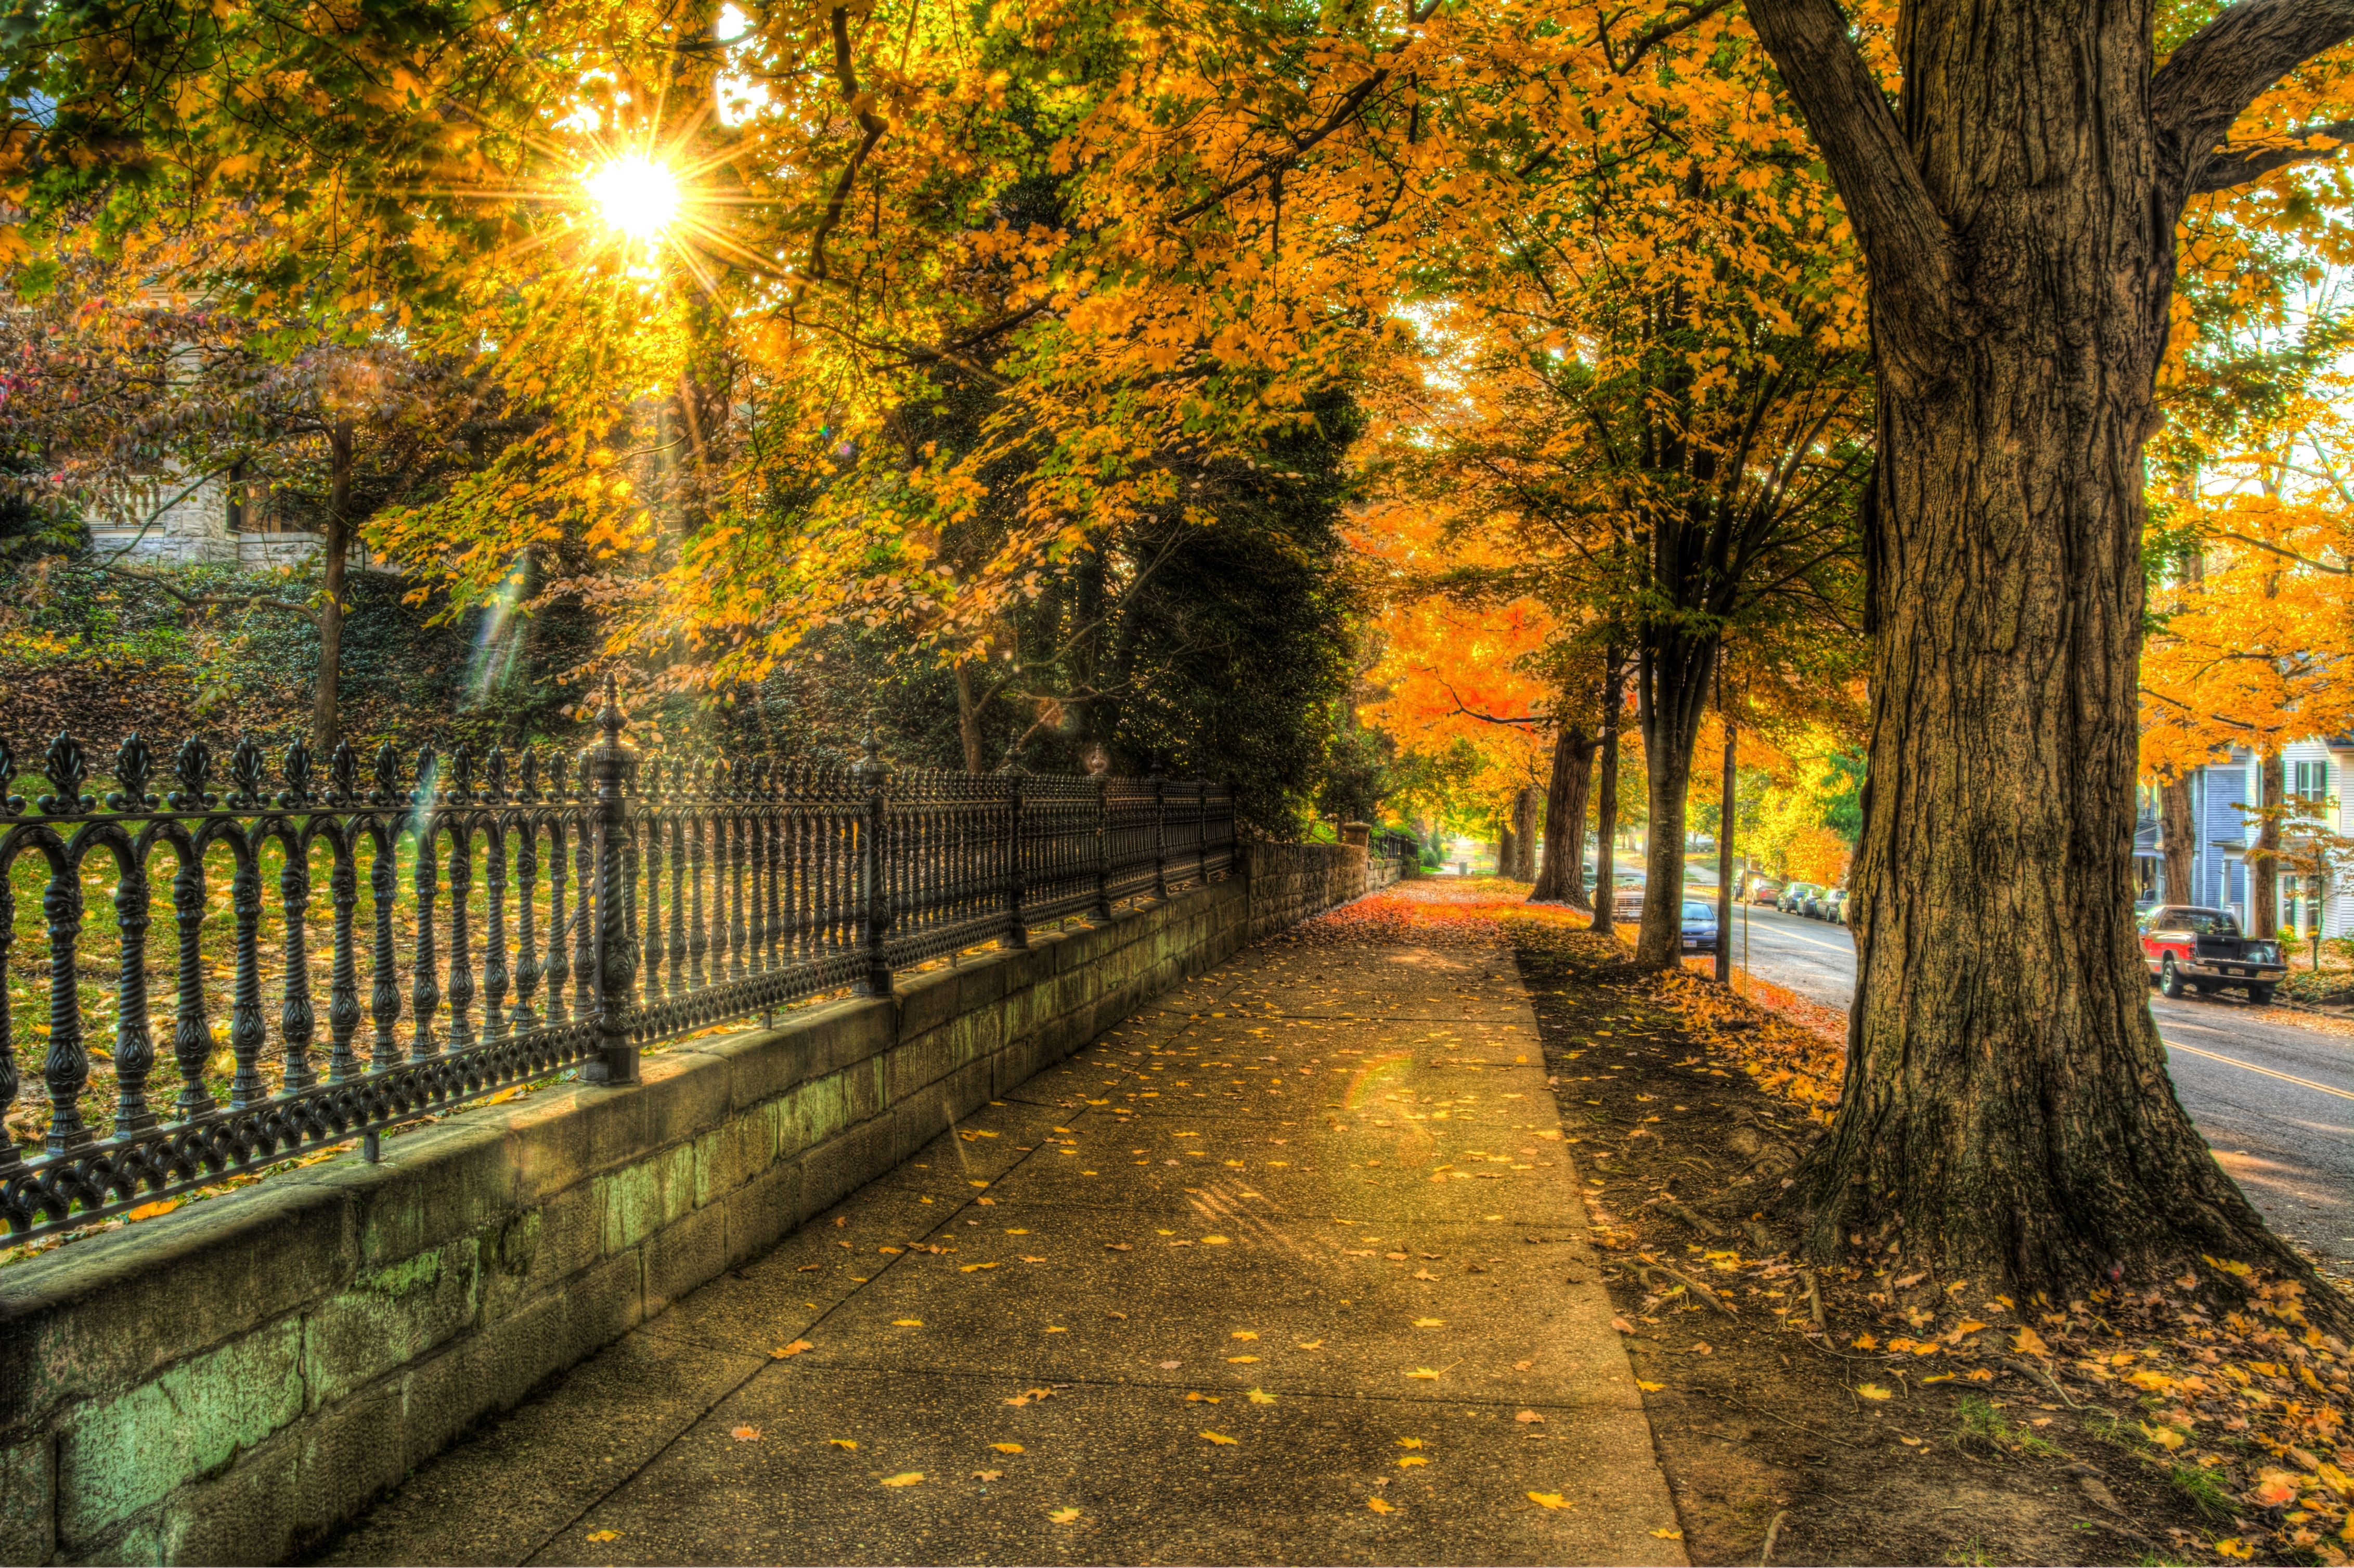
(1696, 910)
(2203, 923)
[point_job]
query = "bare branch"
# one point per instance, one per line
(212, 600)
(2291, 554)
(846, 76)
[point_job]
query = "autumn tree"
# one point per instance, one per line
(2006, 1111)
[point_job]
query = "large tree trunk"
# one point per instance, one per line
(1724, 856)
(334, 550)
(1562, 878)
(2007, 1114)
(2263, 856)
(1606, 798)
(1671, 696)
(2178, 833)
(969, 720)
(1524, 836)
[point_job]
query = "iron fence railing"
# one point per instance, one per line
(490, 922)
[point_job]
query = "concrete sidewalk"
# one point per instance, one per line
(1291, 1267)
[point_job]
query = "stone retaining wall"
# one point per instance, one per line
(234, 1382)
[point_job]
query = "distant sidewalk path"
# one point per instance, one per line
(1290, 1268)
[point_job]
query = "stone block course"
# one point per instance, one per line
(233, 1381)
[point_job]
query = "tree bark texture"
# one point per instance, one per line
(2264, 855)
(1562, 878)
(1671, 696)
(1724, 859)
(969, 719)
(2006, 1111)
(1504, 850)
(2177, 833)
(1605, 797)
(1524, 836)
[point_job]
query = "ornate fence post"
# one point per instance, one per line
(609, 769)
(1017, 885)
(1103, 846)
(1159, 836)
(873, 781)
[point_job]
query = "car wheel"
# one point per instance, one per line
(2169, 979)
(2262, 995)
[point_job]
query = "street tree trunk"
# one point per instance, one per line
(2178, 833)
(1562, 878)
(1671, 696)
(2007, 1114)
(1504, 843)
(1606, 798)
(335, 551)
(1524, 834)
(2263, 856)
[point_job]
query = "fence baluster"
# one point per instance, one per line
(584, 901)
(134, 1045)
(651, 967)
(425, 988)
(342, 979)
(9, 1081)
(461, 996)
(738, 823)
(68, 1067)
(296, 1023)
(192, 1036)
(384, 976)
(527, 968)
(557, 968)
(606, 783)
(495, 939)
(246, 1035)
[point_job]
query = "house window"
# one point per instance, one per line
(2313, 780)
(2290, 903)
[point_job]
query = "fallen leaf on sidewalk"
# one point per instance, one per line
(1219, 1438)
(1424, 1373)
(1550, 1500)
(975, 1268)
(1259, 1397)
(1872, 1391)
(1650, 1387)
(844, 1442)
(1007, 1447)
(1409, 1442)
(1430, 1323)
(746, 1434)
(1406, 1460)
(987, 1475)
(1378, 1506)
(796, 1347)
(1063, 1515)
(605, 1535)
(906, 1322)
(1623, 1326)
(1241, 1360)
(1198, 1398)
(1244, 1334)
(1529, 1418)
(905, 1479)
(1311, 1344)
(1668, 1535)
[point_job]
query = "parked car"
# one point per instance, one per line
(1700, 927)
(1764, 890)
(1794, 897)
(1835, 906)
(2188, 948)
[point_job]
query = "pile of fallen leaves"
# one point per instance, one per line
(1452, 912)
(1796, 1060)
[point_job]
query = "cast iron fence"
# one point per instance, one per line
(554, 917)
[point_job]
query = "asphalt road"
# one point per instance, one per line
(2274, 1099)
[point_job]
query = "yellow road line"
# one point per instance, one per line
(2250, 1066)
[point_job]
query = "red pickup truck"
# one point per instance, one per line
(2188, 948)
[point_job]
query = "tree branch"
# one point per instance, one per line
(845, 73)
(2227, 167)
(211, 600)
(2291, 554)
(2225, 66)
(1905, 238)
